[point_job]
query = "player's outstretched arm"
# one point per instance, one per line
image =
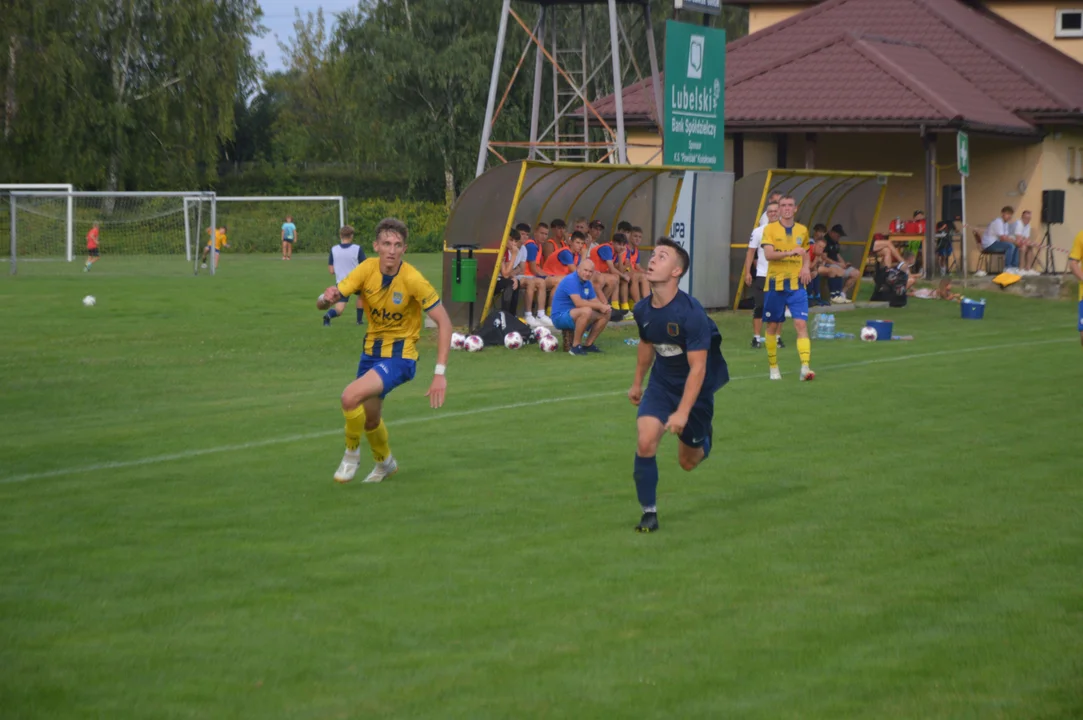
(443, 349)
(644, 358)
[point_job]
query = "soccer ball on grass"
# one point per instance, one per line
(869, 334)
(513, 341)
(539, 332)
(458, 341)
(548, 343)
(474, 343)
(89, 301)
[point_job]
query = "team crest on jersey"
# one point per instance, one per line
(673, 329)
(397, 298)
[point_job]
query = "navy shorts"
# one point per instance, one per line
(393, 371)
(288, 240)
(660, 402)
(775, 303)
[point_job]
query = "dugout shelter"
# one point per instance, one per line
(833, 197)
(532, 192)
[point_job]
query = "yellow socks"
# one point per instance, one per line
(378, 442)
(625, 306)
(804, 349)
(772, 349)
(355, 425)
(614, 304)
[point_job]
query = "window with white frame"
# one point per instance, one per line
(1070, 23)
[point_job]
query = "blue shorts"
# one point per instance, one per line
(563, 321)
(775, 303)
(944, 251)
(393, 371)
(289, 240)
(1081, 316)
(660, 401)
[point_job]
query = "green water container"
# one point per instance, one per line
(465, 286)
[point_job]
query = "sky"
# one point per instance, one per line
(278, 19)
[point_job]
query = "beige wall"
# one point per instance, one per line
(1040, 20)
(644, 147)
(1055, 173)
(762, 16)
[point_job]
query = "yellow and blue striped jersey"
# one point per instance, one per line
(785, 274)
(394, 303)
(219, 238)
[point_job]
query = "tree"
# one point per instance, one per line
(425, 64)
(122, 93)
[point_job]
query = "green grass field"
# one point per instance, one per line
(902, 538)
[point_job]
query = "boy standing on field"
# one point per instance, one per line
(289, 235)
(92, 251)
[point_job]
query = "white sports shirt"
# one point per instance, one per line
(344, 257)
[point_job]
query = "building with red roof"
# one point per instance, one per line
(888, 84)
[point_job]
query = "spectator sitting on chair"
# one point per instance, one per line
(1027, 248)
(562, 263)
(885, 251)
(555, 241)
(507, 285)
(576, 306)
(1000, 238)
(842, 275)
(816, 260)
(531, 277)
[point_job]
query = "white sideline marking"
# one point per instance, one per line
(466, 413)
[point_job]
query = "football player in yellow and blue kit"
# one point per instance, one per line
(785, 245)
(396, 295)
(220, 241)
(1075, 264)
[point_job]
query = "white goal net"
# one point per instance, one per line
(254, 224)
(124, 232)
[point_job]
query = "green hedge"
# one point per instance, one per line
(425, 220)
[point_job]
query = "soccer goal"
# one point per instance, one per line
(254, 224)
(136, 232)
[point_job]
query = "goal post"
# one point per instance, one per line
(69, 207)
(140, 231)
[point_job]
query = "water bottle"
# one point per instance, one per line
(819, 328)
(844, 336)
(631, 341)
(831, 325)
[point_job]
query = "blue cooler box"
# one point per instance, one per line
(973, 311)
(883, 329)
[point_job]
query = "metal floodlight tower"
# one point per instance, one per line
(559, 38)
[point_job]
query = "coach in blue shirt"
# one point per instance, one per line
(576, 306)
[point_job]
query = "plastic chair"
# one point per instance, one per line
(985, 259)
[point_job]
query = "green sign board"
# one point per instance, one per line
(695, 92)
(962, 153)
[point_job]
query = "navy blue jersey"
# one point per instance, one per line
(673, 330)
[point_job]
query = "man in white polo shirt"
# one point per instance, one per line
(772, 198)
(1000, 238)
(756, 275)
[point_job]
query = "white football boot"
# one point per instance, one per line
(382, 470)
(348, 467)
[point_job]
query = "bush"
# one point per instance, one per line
(426, 221)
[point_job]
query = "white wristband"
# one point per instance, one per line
(440, 369)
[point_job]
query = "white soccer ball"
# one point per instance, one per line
(458, 341)
(473, 343)
(513, 341)
(869, 334)
(89, 301)
(549, 344)
(539, 332)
